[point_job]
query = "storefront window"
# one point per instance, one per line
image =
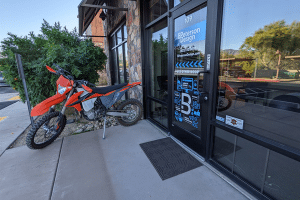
(159, 61)
(283, 185)
(240, 156)
(177, 2)
(158, 72)
(259, 91)
(156, 9)
(159, 113)
(126, 62)
(119, 60)
(259, 85)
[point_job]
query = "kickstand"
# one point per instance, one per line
(104, 127)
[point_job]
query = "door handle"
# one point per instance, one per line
(202, 96)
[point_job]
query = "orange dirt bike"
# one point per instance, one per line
(91, 102)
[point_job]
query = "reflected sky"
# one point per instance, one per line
(242, 18)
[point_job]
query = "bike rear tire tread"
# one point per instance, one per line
(133, 102)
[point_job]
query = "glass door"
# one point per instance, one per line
(189, 93)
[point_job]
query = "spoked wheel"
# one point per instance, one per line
(46, 130)
(132, 107)
(224, 102)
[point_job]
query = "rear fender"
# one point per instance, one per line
(128, 86)
(45, 105)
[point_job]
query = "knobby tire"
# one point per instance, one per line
(126, 121)
(30, 139)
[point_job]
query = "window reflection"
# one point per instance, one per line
(159, 113)
(177, 2)
(126, 62)
(121, 64)
(260, 66)
(157, 8)
(119, 37)
(119, 60)
(159, 61)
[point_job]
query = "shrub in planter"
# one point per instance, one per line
(54, 45)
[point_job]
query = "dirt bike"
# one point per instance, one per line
(92, 103)
(223, 100)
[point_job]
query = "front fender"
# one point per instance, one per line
(44, 106)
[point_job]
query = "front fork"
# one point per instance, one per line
(65, 106)
(62, 112)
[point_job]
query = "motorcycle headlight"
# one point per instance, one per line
(61, 89)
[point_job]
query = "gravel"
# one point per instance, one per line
(79, 126)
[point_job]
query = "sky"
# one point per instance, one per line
(23, 16)
(242, 18)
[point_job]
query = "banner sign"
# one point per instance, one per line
(191, 34)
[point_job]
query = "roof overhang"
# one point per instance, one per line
(88, 9)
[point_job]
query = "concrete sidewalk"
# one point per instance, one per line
(15, 119)
(86, 167)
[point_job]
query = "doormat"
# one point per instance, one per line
(168, 158)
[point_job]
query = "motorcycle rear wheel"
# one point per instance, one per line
(135, 110)
(46, 130)
(224, 102)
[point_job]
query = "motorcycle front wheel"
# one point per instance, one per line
(46, 130)
(134, 108)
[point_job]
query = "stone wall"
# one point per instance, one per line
(133, 24)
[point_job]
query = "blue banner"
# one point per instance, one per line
(191, 34)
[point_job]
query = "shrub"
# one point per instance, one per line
(54, 45)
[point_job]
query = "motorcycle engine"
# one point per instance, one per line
(96, 113)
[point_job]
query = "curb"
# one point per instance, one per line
(14, 140)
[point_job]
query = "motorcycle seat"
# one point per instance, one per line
(104, 90)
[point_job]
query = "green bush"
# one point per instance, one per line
(54, 45)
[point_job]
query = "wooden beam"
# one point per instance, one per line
(104, 7)
(293, 57)
(93, 36)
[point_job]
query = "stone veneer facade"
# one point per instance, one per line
(133, 24)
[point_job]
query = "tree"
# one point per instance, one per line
(272, 43)
(54, 45)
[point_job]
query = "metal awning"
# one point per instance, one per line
(88, 9)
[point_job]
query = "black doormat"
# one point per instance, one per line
(168, 158)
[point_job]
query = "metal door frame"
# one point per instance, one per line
(210, 42)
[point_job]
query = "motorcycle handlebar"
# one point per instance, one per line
(62, 72)
(84, 82)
